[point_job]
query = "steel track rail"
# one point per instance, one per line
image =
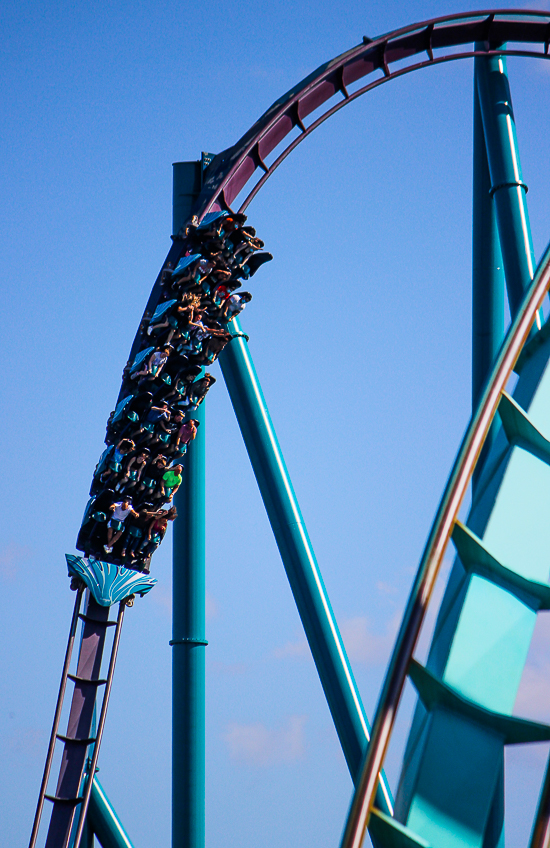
(432, 558)
(440, 60)
(79, 725)
(100, 727)
(56, 720)
(233, 168)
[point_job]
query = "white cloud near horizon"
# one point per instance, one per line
(162, 597)
(27, 742)
(235, 669)
(386, 588)
(299, 648)
(11, 557)
(258, 745)
(364, 643)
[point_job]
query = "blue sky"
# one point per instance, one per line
(359, 330)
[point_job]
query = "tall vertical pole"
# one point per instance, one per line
(188, 606)
(488, 290)
(507, 186)
(488, 284)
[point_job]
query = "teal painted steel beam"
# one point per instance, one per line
(87, 840)
(488, 283)
(188, 607)
(507, 187)
(488, 329)
(188, 651)
(298, 557)
(435, 693)
(186, 186)
(103, 820)
(451, 791)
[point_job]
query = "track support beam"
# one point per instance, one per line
(298, 557)
(507, 187)
(188, 605)
(488, 283)
(103, 820)
(188, 646)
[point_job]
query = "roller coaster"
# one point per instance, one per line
(450, 790)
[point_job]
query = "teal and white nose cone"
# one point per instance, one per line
(109, 583)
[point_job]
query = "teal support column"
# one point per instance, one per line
(188, 604)
(488, 283)
(507, 186)
(104, 821)
(186, 186)
(188, 646)
(87, 840)
(298, 557)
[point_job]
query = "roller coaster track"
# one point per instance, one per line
(521, 435)
(481, 561)
(81, 717)
(232, 170)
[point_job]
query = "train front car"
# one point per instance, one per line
(164, 382)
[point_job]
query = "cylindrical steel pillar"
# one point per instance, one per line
(188, 643)
(298, 557)
(507, 186)
(188, 605)
(104, 821)
(488, 284)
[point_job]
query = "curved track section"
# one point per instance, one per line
(232, 169)
(385, 58)
(523, 577)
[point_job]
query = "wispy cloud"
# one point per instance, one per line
(364, 643)
(258, 745)
(386, 588)
(11, 558)
(212, 608)
(27, 742)
(230, 669)
(298, 648)
(162, 597)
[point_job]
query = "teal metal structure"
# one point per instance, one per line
(473, 607)
(488, 327)
(440, 800)
(188, 639)
(451, 788)
(105, 823)
(488, 281)
(507, 187)
(188, 604)
(483, 634)
(298, 556)
(188, 652)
